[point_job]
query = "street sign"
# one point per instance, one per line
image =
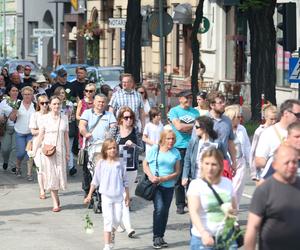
(116, 22)
(294, 70)
(154, 24)
(204, 25)
(43, 32)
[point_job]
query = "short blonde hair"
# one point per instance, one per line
(232, 111)
(163, 136)
(27, 88)
(269, 109)
(91, 85)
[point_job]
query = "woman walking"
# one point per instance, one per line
(35, 124)
(8, 114)
(23, 133)
(55, 131)
(162, 166)
(205, 211)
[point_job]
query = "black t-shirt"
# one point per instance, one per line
(77, 89)
(128, 154)
(27, 82)
(278, 205)
(50, 91)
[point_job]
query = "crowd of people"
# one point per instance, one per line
(201, 155)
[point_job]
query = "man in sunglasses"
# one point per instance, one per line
(27, 79)
(274, 135)
(61, 81)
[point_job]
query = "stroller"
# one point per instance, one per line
(93, 150)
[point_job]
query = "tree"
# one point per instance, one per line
(196, 51)
(133, 39)
(263, 48)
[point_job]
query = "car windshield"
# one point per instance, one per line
(110, 75)
(71, 71)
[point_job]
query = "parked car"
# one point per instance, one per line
(70, 68)
(109, 75)
(12, 64)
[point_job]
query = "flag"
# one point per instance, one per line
(74, 4)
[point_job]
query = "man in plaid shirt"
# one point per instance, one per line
(128, 96)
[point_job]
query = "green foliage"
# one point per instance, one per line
(88, 222)
(251, 126)
(255, 4)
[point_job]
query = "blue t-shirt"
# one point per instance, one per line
(186, 116)
(166, 163)
(103, 126)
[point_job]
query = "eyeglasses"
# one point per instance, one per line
(127, 118)
(44, 103)
(89, 91)
(295, 114)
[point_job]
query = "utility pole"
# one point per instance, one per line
(4, 30)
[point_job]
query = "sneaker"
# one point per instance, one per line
(180, 210)
(18, 173)
(107, 247)
(163, 243)
(72, 171)
(13, 170)
(131, 233)
(156, 243)
(5, 166)
(120, 229)
(29, 178)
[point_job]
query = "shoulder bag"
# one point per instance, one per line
(237, 232)
(145, 188)
(80, 157)
(48, 149)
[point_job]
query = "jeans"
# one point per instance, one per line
(8, 146)
(179, 189)
(21, 142)
(162, 201)
(196, 244)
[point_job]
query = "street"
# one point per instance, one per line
(26, 222)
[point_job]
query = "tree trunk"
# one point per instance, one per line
(133, 39)
(263, 49)
(196, 51)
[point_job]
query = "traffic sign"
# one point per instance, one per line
(204, 25)
(43, 32)
(153, 24)
(116, 22)
(294, 70)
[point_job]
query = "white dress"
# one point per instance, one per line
(55, 165)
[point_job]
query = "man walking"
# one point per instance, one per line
(78, 86)
(275, 206)
(182, 119)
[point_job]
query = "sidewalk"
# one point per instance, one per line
(27, 223)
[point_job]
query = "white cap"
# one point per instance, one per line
(40, 79)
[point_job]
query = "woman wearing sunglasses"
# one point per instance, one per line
(130, 146)
(205, 138)
(42, 108)
(85, 103)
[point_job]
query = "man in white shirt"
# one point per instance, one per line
(274, 135)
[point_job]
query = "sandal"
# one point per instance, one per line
(56, 209)
(42, 196)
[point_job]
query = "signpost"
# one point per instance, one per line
(117, 23)
(40, 34)
(204, 26)
(294, 70)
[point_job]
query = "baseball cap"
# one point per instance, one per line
(184, 93)
(61, 72)
(202, 94)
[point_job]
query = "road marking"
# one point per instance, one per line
(247, 196)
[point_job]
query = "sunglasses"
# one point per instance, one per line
(44, 103)
(127, 118)
(295, 114)
(89, 91)
(27, 69)
(199, 126)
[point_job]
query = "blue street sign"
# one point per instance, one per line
(294, 70)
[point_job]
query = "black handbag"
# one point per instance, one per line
(236, 230)
(145, 188)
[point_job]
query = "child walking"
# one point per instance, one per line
(152, 129)
(110, 176)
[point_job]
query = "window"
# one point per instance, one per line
(32, 41)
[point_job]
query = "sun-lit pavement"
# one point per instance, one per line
(26, 222)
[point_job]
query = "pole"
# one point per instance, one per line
(23, 42)
(56, 27)
(299, 83)
(162, 63)
(4, 30)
